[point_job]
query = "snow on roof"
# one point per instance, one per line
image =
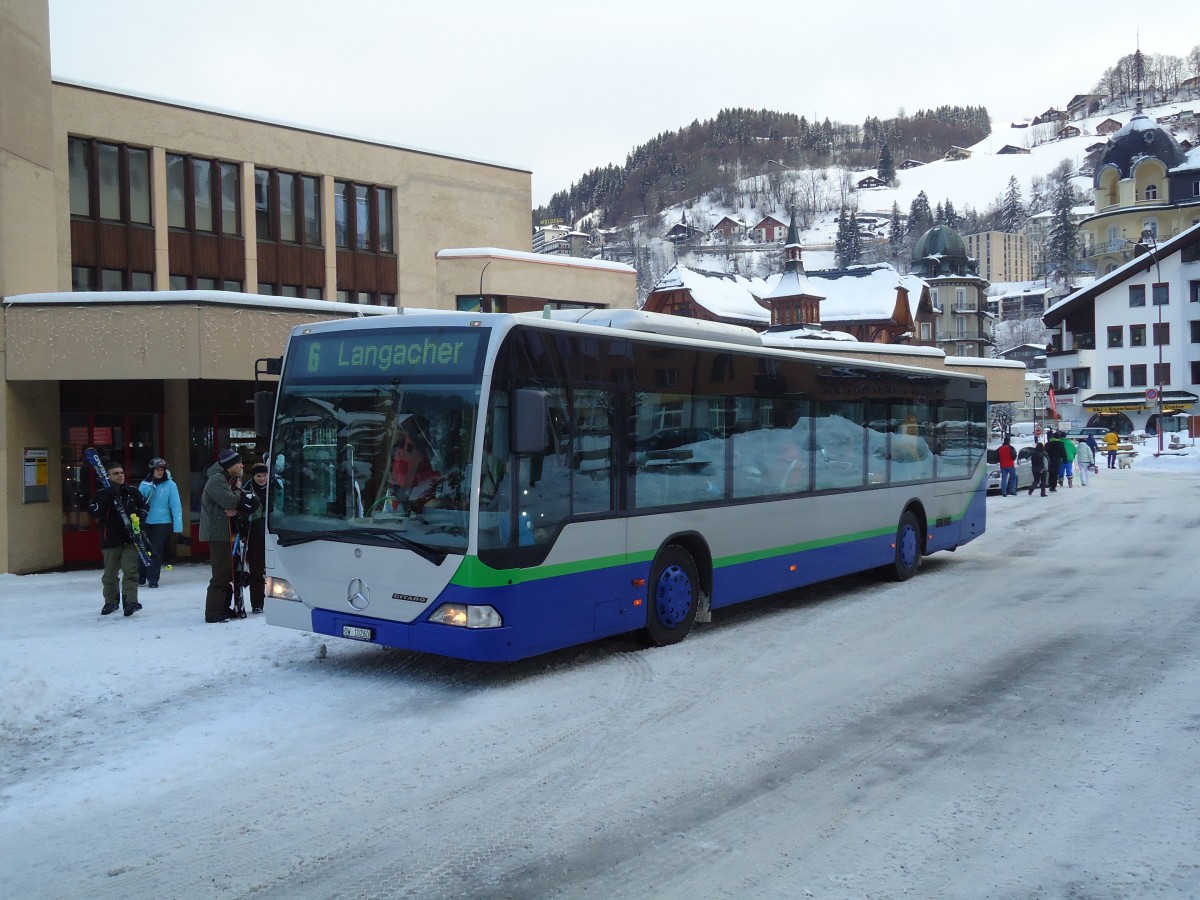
(792, 283)
(805, 337)
(726, 296)
(1190, 162)
(864, 293)
(530, 257)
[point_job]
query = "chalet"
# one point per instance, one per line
(1069, 131)
(1050, 115)
(769, 230)
(1108, 126)
(680, 231)
(792, 300)
(910, 164)
(877, 304)
(870, 181)
(1010, 149)
(955, 153)
(1095, 148)
(729, 227)
(1084, 105)
(1191, 85)
(710, 297)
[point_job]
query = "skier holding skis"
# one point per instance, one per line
(256, 549)
(220, 502)
(117, 544)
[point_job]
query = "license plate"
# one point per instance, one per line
(356, 633)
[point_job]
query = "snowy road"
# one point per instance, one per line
(1020, 720)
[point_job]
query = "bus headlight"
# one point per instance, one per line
(280, 589)
(465, 616)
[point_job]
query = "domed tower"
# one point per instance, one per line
(958, 293)
(1132, 191)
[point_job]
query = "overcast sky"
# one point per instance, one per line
(559, 89)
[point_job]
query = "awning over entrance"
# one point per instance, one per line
(1135, 401)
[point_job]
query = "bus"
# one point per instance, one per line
(492, 486)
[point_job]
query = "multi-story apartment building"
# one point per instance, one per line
(957, 292)
(1001, 255)
(1127, 346)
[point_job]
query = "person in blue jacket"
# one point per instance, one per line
(165, 517)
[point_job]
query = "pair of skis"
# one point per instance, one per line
(239, 535)
(133, 527)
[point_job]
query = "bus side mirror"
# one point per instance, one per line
(264, 411)
(528, 422)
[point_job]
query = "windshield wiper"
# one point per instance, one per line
(434, 556)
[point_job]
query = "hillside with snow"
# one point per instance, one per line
(975, 183)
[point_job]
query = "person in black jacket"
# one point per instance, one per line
(116, 544)
(1058, 459)
(1039, 460)
(256, 545)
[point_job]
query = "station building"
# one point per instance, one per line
(151, 252)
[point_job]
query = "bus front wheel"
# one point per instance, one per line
(674, 595)
(907, 557)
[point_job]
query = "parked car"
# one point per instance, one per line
(1024, 470)
(1078, 434)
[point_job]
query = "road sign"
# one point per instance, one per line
(1152, 394)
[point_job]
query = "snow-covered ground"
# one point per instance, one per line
(1020, 720)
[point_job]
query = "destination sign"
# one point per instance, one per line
(437, 353)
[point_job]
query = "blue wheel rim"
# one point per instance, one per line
(672, 596)
(908, 546)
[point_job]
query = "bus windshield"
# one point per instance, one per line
(372, 454)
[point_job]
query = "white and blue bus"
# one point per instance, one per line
(491, 486)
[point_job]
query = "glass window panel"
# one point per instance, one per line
(1161, 294)
(910, 442)
(341, 212)
(313, 293)
(202, 173)
(81, 278)
(178, 282)
(362, 217)
(230, 285)
(176, 191)
(206, 284)
(79, 165)
(112, 280)
(141, 281)
(139, 185)
(383, 199)
(110, 181)
(841, 443)
(343, 296)
(591, 484)
(230, 198)
(289, 290)
(287, 205)
(311, 188)
(1137, 376)
(262, 204)
(266, 288)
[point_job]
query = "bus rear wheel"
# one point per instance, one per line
(907, 559)
(674, 596)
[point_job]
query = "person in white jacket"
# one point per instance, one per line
(1085, 459)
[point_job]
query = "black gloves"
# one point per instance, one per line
(248, 504)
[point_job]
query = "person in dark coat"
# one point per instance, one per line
(220, 501)
(256, 546)
(1039, 461)
(116, 545)
(1058, 459)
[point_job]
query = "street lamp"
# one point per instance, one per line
(1149, 241)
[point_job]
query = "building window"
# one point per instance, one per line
(1151, 192)
(1081, 378)
(1137, 376)
(1196, 188)
(1196, 373)
(926, 332)
(109, 182)
(287, 207)
(1194, 291)
(1161, 294)
(1115, 333)
(1116, 376)
(1162, 373)
(1195, 326)
(1151, 225)
(1162, 333)
(933, 296)
(1137, 295)
(363, 217)
(1137, 335)
(203, 195)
